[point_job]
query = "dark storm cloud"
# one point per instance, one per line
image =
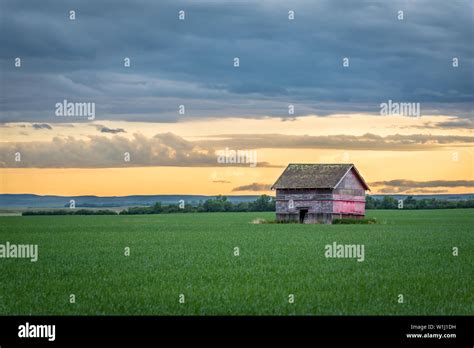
(452, 123)
(368, 141)
(112, 130)
(41, 126)
(104, 129)
(416, 187)
(190, 62)
(460, 123)
(424, 184)
(405, 190)
(168, 149)
(161, 150)
(252, 187)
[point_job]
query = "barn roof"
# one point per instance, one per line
(315, 176)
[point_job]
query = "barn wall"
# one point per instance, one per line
(311, 218)
(348, 207)
(318, 202)
(314, 202)
(349, 196)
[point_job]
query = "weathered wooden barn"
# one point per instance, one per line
(319, 193)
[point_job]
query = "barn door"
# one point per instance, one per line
(303, 213)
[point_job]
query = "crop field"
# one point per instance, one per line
(408, 253)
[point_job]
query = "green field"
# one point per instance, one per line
(407, 252)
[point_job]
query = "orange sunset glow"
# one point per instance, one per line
(421, 162)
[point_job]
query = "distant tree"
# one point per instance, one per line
(263, 203)
(389, 203)
(157, 208)
(409, 203)
(370, 203)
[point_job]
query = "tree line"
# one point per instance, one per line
(263, 203)
(218, 204)
(410, 203)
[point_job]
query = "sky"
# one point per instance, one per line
(174, 88)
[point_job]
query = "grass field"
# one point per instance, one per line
(408, 252)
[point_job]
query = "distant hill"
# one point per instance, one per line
(50, 201)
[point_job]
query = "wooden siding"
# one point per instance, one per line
(349, 196)
(350, 185)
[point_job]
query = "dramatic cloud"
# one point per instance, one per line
(253, 187)
(168, 149)
(364, 142)
(416, 187)
(424, 184)
(452, 123)
(111, 130)
(190, 62)
(404, 190)
(457, 123)
(110, 152)
(41, 126)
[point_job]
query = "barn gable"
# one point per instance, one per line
(352, 180)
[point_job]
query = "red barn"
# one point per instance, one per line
(319, 193)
